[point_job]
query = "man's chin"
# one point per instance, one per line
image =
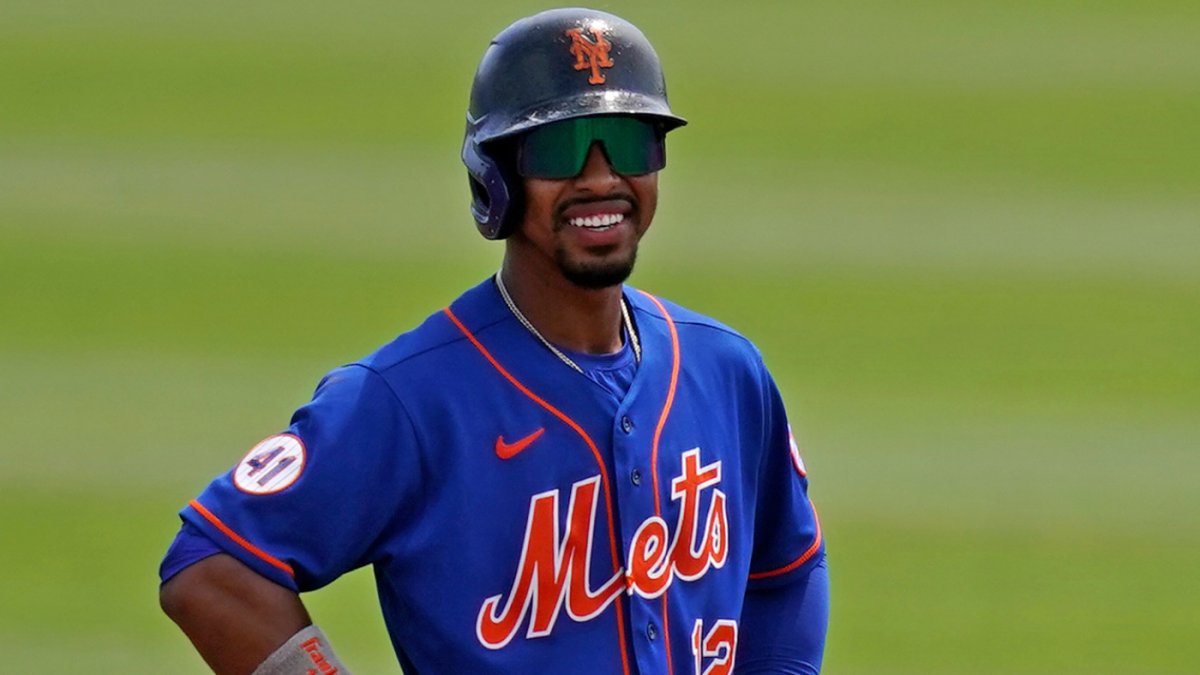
(599, 274)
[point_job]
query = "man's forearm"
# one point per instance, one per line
(782, 630)
(234, 617)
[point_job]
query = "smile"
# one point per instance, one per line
(598, 222)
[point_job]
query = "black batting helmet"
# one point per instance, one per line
(556, 65)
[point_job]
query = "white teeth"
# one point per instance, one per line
(601, 222)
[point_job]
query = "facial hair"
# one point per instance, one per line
(594, 276)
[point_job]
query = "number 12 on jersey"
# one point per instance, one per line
(718, 644)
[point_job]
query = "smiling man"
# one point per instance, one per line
(557, 473)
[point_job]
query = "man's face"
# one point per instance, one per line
(589, 226)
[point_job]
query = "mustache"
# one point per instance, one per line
(619, 196)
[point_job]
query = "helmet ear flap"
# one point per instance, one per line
(496, 195)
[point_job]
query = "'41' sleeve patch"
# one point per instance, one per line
(797, 460)
(270, 466)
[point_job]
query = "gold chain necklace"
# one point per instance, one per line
(512, 306)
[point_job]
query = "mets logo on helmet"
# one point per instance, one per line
(589, 54)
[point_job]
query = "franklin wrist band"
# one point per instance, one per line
(306, 653)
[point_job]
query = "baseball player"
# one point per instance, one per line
(557, 473)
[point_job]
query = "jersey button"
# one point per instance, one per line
(626, 424)
(651, 631)
(636, 477)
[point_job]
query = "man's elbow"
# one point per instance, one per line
(234, 616)
(220, 588)
(175, 597)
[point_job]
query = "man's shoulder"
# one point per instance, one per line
(438, 337)
(695, 329)
(697, 326)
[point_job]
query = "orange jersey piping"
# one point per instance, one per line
(798, 561)
(261, 554)
(662, 422)
(612, 540)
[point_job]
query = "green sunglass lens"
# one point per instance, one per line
(633, 146)
(555, 150)
(558, 150)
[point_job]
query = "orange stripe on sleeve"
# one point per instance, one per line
(261, 554)
(798, 561)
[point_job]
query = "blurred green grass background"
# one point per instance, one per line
(965, 234)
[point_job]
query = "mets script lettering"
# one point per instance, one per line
(589, 54)
(554, 572)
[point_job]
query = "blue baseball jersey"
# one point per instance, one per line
(522, 517)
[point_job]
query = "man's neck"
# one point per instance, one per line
(578, 319)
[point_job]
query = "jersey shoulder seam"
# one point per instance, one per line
(395, 397)
(412, 426)
(408, 357)
(711, 324)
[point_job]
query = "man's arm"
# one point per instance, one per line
(782, 630)
(235, 617)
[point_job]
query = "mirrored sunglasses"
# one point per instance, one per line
(633, 145)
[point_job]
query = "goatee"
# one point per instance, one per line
(594, 276)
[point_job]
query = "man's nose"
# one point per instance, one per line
(597, 175)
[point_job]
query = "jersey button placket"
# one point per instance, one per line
(632, 450)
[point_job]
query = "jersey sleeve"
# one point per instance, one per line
(190, 547)
(308, 505)
(787, 534)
